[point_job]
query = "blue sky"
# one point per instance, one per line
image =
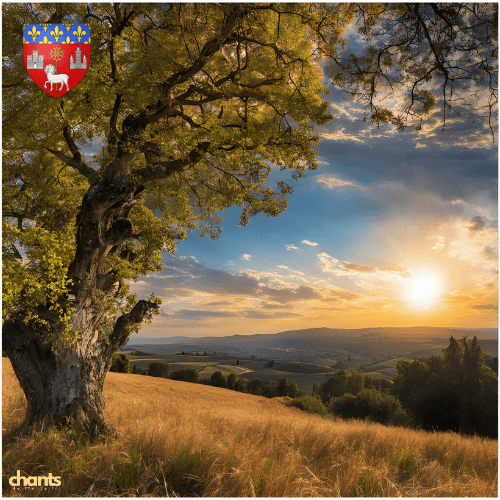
(392, 229)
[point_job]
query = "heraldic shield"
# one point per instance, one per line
(56, 55)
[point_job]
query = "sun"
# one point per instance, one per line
(423, 289)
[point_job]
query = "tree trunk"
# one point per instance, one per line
(63, 384)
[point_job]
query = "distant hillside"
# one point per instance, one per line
(181, 439)
(327, 346)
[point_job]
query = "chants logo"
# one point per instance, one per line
(49, 480)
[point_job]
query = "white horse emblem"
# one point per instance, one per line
(50, 71)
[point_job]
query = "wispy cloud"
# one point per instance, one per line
(332, 265)
(246, 256)
(291, 246)
(333, 182)
(307, 242)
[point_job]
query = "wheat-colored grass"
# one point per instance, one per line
(185, 439)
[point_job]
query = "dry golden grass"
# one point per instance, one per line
(193, 440)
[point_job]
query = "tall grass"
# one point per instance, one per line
(181, 439)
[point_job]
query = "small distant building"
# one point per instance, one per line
(34, 61)
(78, 63)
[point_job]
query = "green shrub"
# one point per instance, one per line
(186, 375)
(261, 387)
(369, 403)
(288, 388)
(367, 485)
(232, 380)
(404, 460)
(159, 369)
(310, 404)
(120, 363)
(219, 379)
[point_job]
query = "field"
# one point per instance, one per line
(183, 439)
(305, 374)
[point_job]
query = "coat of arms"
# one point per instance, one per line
(56, 55)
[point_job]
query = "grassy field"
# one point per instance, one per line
(183, 439)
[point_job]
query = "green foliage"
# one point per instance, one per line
(288, 388)
(159, 369)
(219, 379)
(310, 404)
(120, 363)
(184, 470)
(261, 387)
(231, 100)
(455, 391)
(368, 403)
(367, 485)
(262, 481)
(404, 461)
(186, 375)
(341, 382)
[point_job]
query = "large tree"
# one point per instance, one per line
(184, 111)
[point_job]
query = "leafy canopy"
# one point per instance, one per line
(202, 100)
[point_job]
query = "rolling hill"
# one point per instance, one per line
(181, 439)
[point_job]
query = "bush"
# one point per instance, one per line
(120, 363)
(261, 387)
(186, 375)
(139, 371)
(219, 379)
(341, 382)
(370, 403)
(288, 388)
(240, 384)
(159, 369)
(310, 404)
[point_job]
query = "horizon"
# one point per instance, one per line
(138, 338)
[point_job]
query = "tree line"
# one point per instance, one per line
(232, 381)
(455, 391)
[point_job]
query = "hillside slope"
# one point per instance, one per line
(187, 439)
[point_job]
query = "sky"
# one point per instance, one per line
(393, 229)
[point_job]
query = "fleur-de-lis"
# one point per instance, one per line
(25, 41)
(68, 40)
(87, 41)
(79, 33)
(45, 40)
(56, 33)
(45, 26)
(33, 33)
(68, 27)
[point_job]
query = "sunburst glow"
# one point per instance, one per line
(424, 289)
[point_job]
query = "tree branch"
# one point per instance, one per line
(119, 336)
(77, 161)
(163, 169)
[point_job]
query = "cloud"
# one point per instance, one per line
(341, 135)
(476, 224)
(307, 242)
(246, 256)
(439, 243)
(485, 307)
(198, 315)
(332, 265)
(280, 266)
(476, 243)
(332, 182)
(291, 247)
